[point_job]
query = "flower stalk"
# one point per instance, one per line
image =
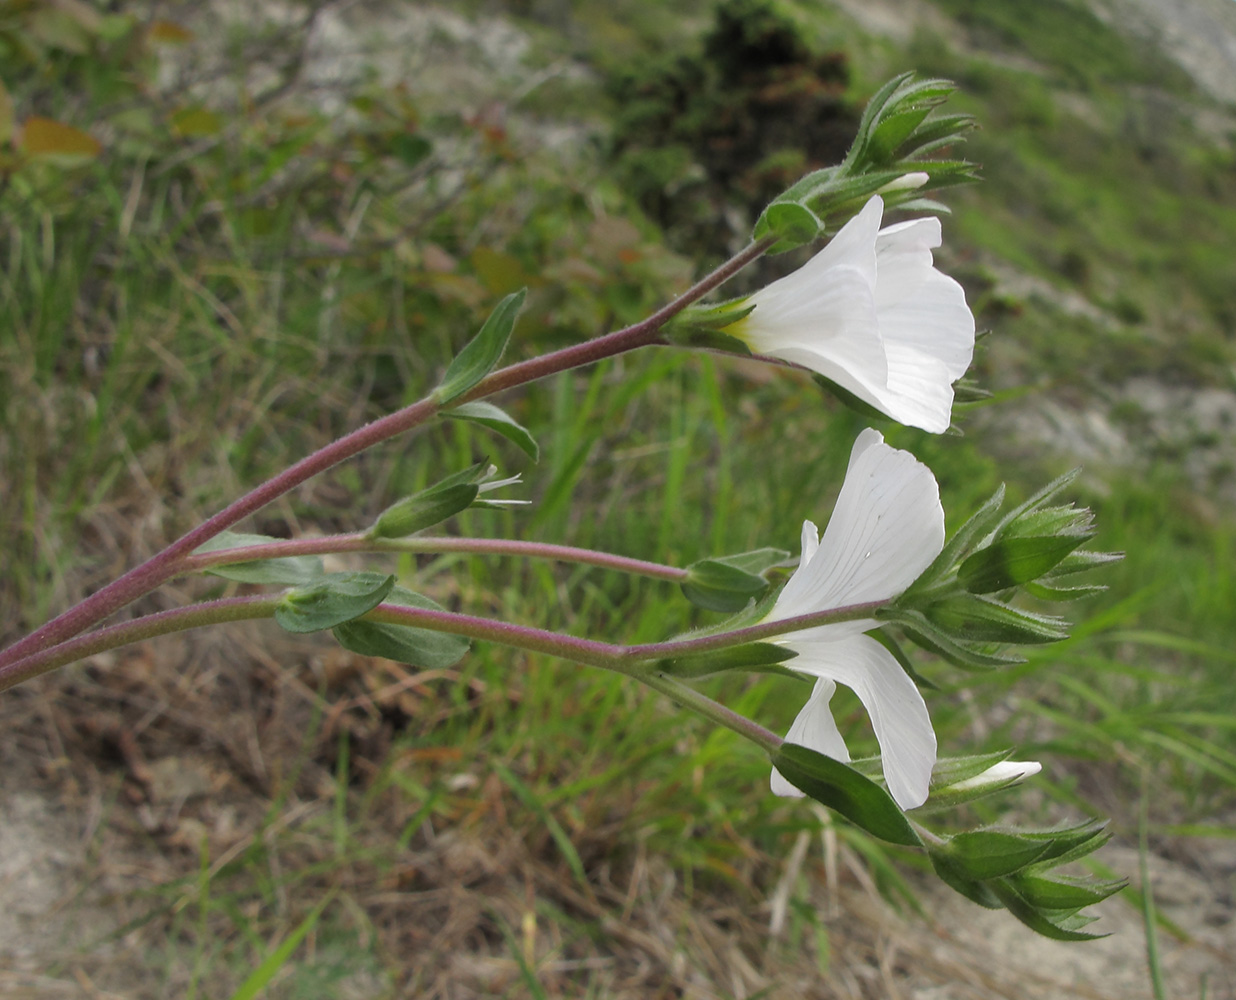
(170, 562)
(432, 545)
(628, 660)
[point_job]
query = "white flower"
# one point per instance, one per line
(1007, 772)
(871, 313)
(886, 529)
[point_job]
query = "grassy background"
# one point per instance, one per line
(242, 273)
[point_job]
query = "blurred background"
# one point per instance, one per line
(232, 231)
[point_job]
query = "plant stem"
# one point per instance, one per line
(701, 704)
(628, 660)
(753, 633)
(232, 609)
(168, 563)
(229, 609)
(359, 542)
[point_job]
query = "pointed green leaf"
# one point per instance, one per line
(497, 420)
(940, 131)
(705, 326)
(337, 598)
(952, 770)
(844, 790)
(1046, 593)
(756, 657)
(894, 130)
(1062, 520)
(404, 643)
(286, 571)
(483, 352)
(1069, 843)
(1036, 500)
(709, 340)
(955, 784)
(1079, 562)
(757, 561)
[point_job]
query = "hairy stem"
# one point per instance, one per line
(429, 545)
(168, 563)
(232, 609)
(630, 660)
(229, 609)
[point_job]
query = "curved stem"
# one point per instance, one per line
(628, 660)
(523, 637)
(166, 564)
(427, 545)
(229, 609)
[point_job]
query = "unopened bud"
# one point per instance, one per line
(1007, 772)
(906, 182)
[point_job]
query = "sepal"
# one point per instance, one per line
(729, 583)
(703, 327)
(957, 780)
(1007, 868)
(752, 657)
(431, 505)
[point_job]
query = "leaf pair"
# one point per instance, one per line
(340, 600)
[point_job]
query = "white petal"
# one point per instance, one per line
(936, 323)
(815, 729)
(903, 259)
(855, 243)
(830, 327)
(898, 712)
(919, 392)
(886, 528)
(810, 541)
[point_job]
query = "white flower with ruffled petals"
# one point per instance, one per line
(886, 528)
(871, 313)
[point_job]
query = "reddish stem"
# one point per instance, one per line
(169, 562)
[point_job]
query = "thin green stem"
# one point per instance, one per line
(701, 704)
(427, 545)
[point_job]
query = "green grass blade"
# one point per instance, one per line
(260, 977)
